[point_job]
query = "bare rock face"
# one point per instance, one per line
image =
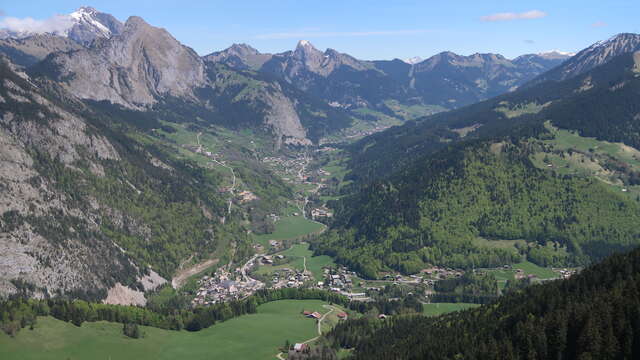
(30, 50)
(305, 59)
(132, 69)
(239, 56)
(284, 121)
(35, 246)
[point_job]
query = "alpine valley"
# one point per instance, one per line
(158, 203)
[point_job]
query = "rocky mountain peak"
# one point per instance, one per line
(305, 49)
(413, 60)
(239, 56)
(133, 68)
(135, 23)
(595, 55)
(242, 50)
(305, 44)
(90, 24)
(555, 54)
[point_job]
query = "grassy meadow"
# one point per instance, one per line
(288, 228)
(436, 309)
(254, 336)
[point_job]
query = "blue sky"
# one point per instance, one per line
(369, 29)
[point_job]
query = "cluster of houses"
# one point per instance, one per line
(290, 166)
(268, 259)
(289, 278)
(567, 273)
(319, 213)
(337, 280)
(223, 286)
(439, 273)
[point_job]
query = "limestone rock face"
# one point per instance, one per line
(131, 69)
(30, 50)
(74, 256)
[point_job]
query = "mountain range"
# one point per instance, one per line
(443, 81)
(83, 175)
(447, 189)
(136, 65)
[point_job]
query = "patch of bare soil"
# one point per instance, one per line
(183, 274)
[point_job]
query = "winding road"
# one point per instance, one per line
(233, 174)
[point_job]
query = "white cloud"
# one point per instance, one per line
(325, 34)
(54, 24)
(598, 24)
(532, 14)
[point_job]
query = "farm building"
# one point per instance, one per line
(300, 347)
(342, 315)
(315, 315)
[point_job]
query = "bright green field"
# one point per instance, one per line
(255, 336)
(436, 309)
(577, 155)
(289, 227)
(502, 275)
(540, 272)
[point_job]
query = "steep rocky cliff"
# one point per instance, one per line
(87, 210)
(131, 69)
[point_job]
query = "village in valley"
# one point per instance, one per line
(272, 267)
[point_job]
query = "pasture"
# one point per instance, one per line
(253, 336)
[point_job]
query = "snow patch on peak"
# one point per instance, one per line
(82, 12)
(86, 14)
(413, 60)
(556, 53)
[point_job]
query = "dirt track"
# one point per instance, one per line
(183, 274)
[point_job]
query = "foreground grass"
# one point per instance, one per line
(254, 336)
(436, 309)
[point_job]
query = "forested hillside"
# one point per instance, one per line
(601, 103)
(593, 315)
(431, 212)
(434, 192)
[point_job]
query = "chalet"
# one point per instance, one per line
(306, 313)
(315, 315)
(342, 316)
(300, 347)
(382, 316)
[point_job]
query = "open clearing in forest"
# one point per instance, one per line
(254, 336)
(288, 228)
(436, 309)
